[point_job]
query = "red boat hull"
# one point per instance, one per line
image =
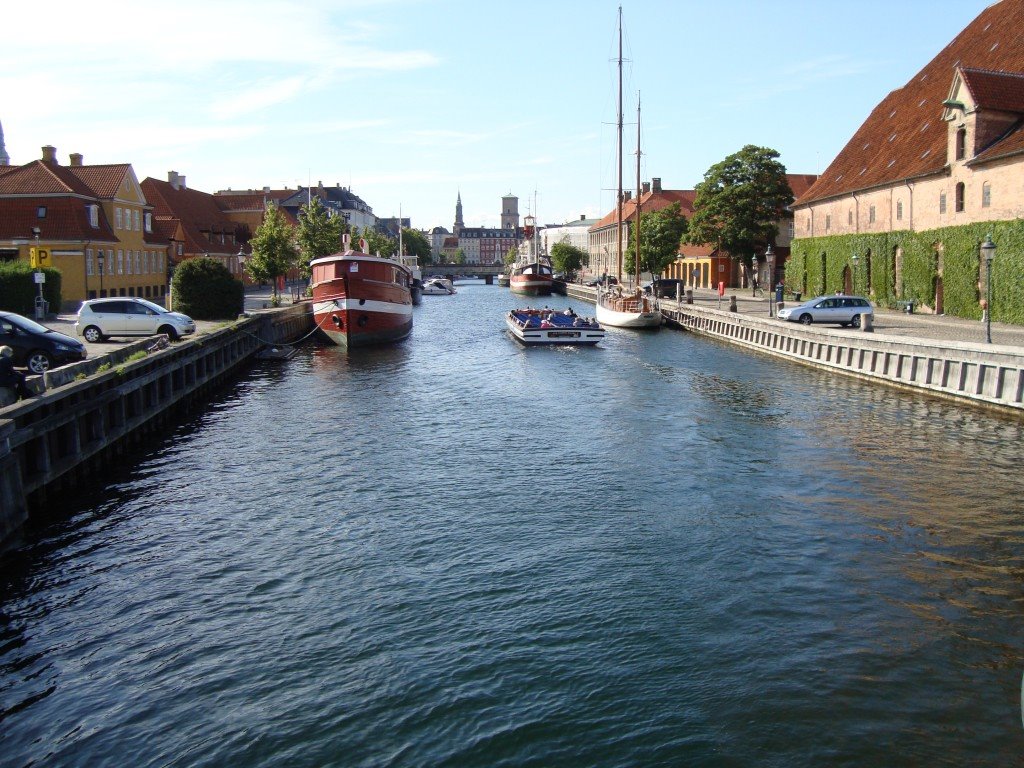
(531, 285)
(361, 300)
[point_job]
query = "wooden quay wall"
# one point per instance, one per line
(91, 412)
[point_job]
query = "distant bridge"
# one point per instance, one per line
(485, 271)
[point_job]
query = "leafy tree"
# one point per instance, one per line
(459, 257)
(273, 249)
(416, 244)
(204, 289)
(511, 255)
(376, 242)
(319, 233)
(661, 233)
(566, 258)
(740, 202)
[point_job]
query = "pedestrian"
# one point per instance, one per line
(695, 274)
(10, 379)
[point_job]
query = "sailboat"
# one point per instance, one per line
(614, 306)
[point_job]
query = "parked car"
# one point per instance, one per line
(608, 280)
(127, 316)
(37, 347)
(665, 287)
(842, 309)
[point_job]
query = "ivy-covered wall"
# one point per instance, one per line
(818, 265)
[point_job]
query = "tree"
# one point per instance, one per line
(566, 258)
(511, 255)
(416, 244)
(319, 233)
(459, 257)
(376, 242)
(661, 233)
(740, 202)
(273, 249)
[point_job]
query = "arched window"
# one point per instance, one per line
(959, 197)
(942, 202)
(899, 210)
(961, 143)
(986, 195)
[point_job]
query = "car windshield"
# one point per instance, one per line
(28, 325)
(150, 305)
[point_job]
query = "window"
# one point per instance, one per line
(138, 262)
(149, 221)
(942, 202)
(135, 217)
(828, 222)
(181, 248)
(792, 229)
(849, 217)
(120, 261)
(88, 262)
(871, 215)
(960, 197)
(94, 215)
(41, 212)
(899, 210)
(117, 218)
(961, 143)
(986, 195)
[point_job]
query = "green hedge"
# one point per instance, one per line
(816, 265)
(204, 289)
(18, 289)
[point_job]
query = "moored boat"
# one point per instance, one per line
(532, 274)
(504, 280)
(627, 310)
(546, 326)
(438, 287)
(361, 300)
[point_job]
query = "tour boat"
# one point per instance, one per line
(614, 307)
(546, 326)
(361, 300)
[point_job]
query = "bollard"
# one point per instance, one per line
(867, 323)
(732, 304)
(689, 295)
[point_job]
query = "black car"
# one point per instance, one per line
(665, 288)
(607, 280)
(37, 347)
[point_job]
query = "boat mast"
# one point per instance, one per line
(618, 201)
(636, 253)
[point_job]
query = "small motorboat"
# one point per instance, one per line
(546, 326)
(438, 286)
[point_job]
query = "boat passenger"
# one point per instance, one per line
(12, 381)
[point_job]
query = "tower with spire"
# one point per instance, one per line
(459, 223)
(5, 159)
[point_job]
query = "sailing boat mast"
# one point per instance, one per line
(636, 252)
(618, 200)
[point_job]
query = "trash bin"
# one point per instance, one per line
(778, 291)
(796, 296)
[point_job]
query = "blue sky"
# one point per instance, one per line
(411, 102)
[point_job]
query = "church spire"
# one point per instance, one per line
(5, 159)
(459, 223)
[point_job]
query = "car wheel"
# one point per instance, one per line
(38, 362)
(93, 334)
(172, 334)
(856, 321)
(806, 319)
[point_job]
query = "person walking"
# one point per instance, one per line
(11, 380)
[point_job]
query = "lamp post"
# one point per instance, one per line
(99, 260)
(988, 252)
(40, 277)
(769, 257)
(855, 259)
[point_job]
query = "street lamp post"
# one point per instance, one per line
(769, 257)
(40, 305)
(99, 260)
(855, 259)
(988, 252)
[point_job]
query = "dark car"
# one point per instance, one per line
(665, 288)
(37, 347)
(607, 280)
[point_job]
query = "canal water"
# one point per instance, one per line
(460, 552)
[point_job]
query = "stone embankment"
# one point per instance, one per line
(91, 412)
(931, 354)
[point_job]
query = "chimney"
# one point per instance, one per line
(76, 159)
(266, 190)
(656, 183)
(175, 180)
(50, 154)
(646, 187)
(626, 196)
(583, 217)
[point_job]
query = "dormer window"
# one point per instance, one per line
(94, 215)
(149, 221)
(41, 212)
(961, 143)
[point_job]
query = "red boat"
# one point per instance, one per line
(361, 300)
(531, 275)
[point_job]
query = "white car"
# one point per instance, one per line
(129, 316)
(842, 309)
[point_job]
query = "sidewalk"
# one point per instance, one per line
(887, 322)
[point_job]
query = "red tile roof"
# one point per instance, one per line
(1001, 91)
(650, 202)
(905, 136)
(42, 178)
(200, 218)
(67, 219)
(104, 180)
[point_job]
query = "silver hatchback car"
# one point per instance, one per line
(128, 316)
(842, 309)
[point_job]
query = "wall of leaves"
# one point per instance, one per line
(906, 265)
